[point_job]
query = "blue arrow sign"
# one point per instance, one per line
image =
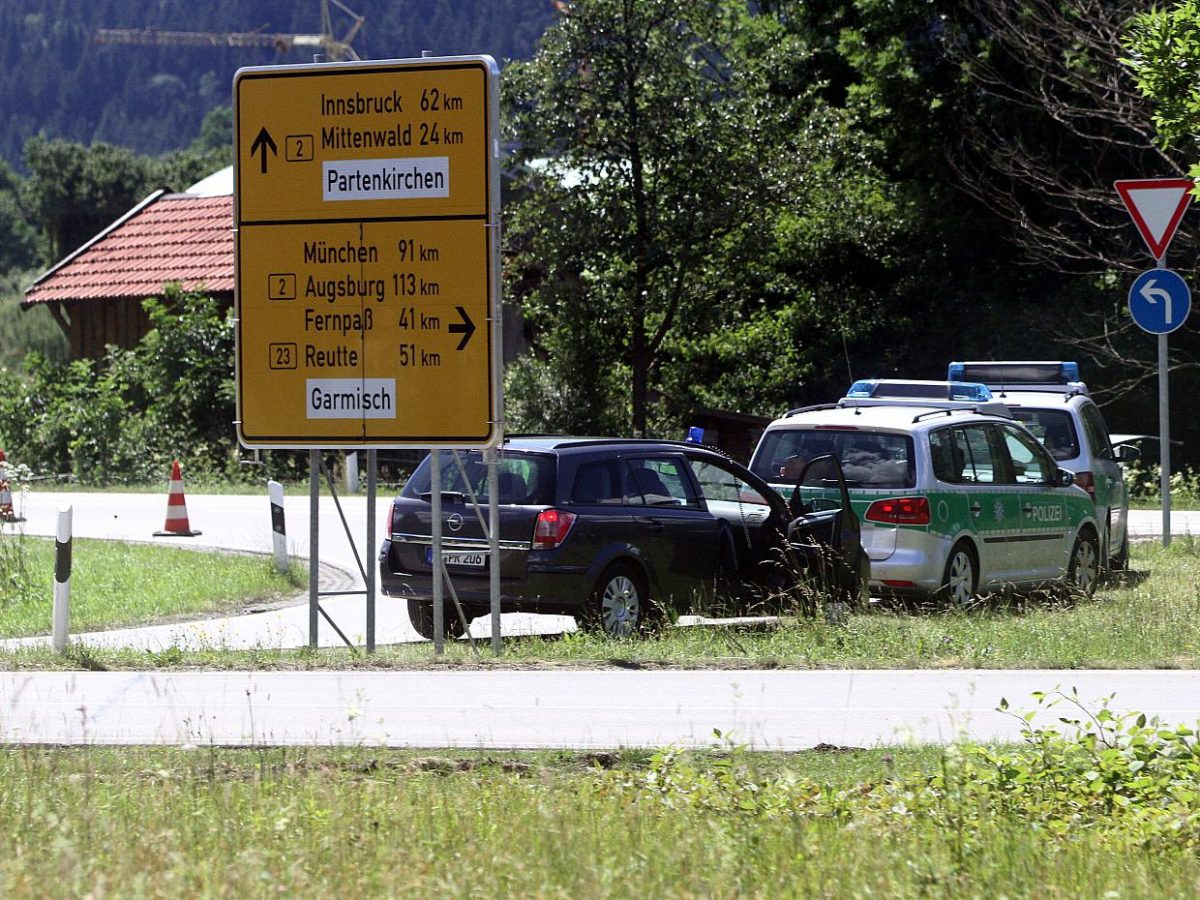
(1159, 301)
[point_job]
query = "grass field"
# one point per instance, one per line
(1149, 620)
(1056, 818)
(114, 583)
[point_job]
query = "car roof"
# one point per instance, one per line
(905, 418)
(1029, 395)
(557, 442)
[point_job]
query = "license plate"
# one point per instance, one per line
(470, 559)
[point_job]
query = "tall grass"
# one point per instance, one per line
(204, 822)
(1149, 619)
(115, 583)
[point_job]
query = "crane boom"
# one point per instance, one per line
(334, 48)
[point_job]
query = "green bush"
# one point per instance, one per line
(124, 418)
(1144, 485)
(1122, 781)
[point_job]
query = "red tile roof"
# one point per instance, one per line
(166, 238)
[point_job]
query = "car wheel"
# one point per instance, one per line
(1083, 571)
(960, 580)
(617, 606)
(420, 613)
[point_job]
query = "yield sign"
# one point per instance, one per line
(1156, 205)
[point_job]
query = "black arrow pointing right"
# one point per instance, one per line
(264, 142)
(466, 329)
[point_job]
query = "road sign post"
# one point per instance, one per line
(1159, 300)
(367, 214)
(367, 232)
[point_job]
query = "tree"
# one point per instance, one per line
(1164, 54)
(679, 192)
(634, 107)
(74, 192)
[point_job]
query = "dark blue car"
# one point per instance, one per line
(614, 531)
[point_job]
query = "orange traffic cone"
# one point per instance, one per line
(177, 517)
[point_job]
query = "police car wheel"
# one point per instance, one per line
(1083, 573)
(961, 578)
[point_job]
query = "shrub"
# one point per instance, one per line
(125, 417)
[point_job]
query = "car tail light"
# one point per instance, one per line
(391, 519)
(1087, 481)
(551, 528)
(900, 511)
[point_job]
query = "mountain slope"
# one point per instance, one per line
(55, 80)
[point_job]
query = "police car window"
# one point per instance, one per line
(659, 482)
(1097, 433)
(1053, 427)
(948, 462)
(869, 459)
(1030, 466)
(980, 462)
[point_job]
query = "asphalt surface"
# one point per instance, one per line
(764, 710)
(243, 523)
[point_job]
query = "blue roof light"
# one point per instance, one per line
(901, 389)
(971, 391)
(1015, 373)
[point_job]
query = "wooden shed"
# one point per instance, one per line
(96, 293)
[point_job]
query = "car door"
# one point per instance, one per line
(753, 525)
(1112, 501)
(677, 534)
(1042, 543)
(993, 502)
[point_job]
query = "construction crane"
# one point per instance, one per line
(327, 43)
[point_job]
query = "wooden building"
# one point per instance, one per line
(96, 293)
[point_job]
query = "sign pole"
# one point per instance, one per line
(372, 463)
(1164, 439)
(1159, 300)
(435, 556)
(1164, 427)
(314, 543)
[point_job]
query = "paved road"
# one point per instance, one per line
(244, 523)
(785, 710)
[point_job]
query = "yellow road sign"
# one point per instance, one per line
(367, 200)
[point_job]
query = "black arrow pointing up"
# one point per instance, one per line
(466, 328)
(265, 143)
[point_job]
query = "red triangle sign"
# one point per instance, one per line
(1157, 205)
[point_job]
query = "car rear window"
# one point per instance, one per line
(524, 478)
(1053, 427)
(870, 459)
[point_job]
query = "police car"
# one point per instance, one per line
(1049, 399)
(956, 499)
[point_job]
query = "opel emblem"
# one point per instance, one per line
(454, 521)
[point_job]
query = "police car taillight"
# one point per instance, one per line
(552, 528)
(1087, 481)
(899, 511)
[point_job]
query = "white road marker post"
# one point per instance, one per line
(278, 525)
(62, 579)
